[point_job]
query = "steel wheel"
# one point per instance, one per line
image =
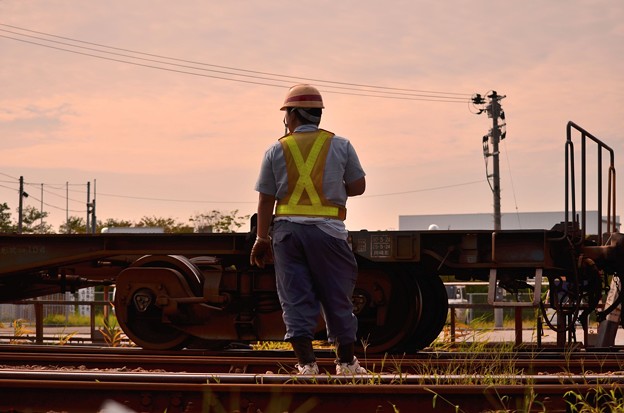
(139, 316)
(388, 306)
(433, 317)
(144, 324)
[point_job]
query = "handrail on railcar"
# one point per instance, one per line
(570, 184)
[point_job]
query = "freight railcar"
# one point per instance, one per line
(178, 290)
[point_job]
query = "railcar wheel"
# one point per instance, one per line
(141, 319)
(144, 324)
(388, 305)
(433, 316)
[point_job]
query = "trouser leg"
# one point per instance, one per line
(334, 278)
(295, 287)
(302, 346)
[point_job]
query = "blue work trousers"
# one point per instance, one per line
(315, 274)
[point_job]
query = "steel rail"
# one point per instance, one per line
(283, 362)
(78, 392)
(494, 352)
(321, 378)
(260, 365)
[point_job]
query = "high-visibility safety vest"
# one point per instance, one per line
(306, 154)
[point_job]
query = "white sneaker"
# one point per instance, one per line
(350, 368)
(310, 368)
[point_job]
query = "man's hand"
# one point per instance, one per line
(261, 253)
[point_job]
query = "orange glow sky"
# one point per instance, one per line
(160, 142)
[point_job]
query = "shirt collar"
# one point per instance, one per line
(306, 128)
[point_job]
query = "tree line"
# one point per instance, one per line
(34, 222)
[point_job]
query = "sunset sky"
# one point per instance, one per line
(167, 107)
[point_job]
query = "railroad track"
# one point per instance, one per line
(259, 362)
(84, 379)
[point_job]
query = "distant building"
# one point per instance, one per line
(521, 220)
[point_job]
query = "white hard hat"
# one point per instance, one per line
(303, 96)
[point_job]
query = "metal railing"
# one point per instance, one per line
(95, 335)
(570, 183)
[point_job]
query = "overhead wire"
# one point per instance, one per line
(436, 188)
(513, 188)
(260, 78)
(34, 198)
(101, 194)
(41, 186)
(230, 67)
(9, 176)
(253, 202)
(191, 201)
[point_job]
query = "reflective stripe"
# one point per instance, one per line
(318, 206)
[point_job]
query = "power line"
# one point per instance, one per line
(41, 186)
(344, 88)
(363, 93)
(190, 201)
(30, 196)
(253, 202)
(197, 201)
(436, 188)
(7, 187)
(225, 67)
(232, 68)
(513, 189)
(9, 176)
(64, 196)
(54, 206)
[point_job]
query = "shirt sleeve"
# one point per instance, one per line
(353, 168)
(266, 180)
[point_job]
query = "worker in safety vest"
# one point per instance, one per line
(305, 178)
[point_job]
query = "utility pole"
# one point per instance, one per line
(67, 206)
(91, 222)
(20, 208)
(494, 113)
(93, 215)
(42, 206)
(88, 226)
(495, 135)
